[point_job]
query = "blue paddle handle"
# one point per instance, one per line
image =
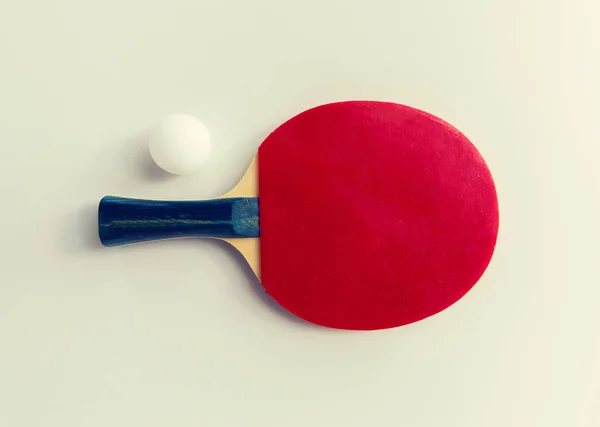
(122, 221)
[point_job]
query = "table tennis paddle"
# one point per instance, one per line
(371, 215)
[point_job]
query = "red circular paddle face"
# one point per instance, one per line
(372, 215)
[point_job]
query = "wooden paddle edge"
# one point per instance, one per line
(247, 187)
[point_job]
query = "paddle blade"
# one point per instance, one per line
(373, 215)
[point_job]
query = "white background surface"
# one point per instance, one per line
(179, 333)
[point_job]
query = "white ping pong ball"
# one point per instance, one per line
(180, 144)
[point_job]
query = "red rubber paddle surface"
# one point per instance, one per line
(372, 215)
